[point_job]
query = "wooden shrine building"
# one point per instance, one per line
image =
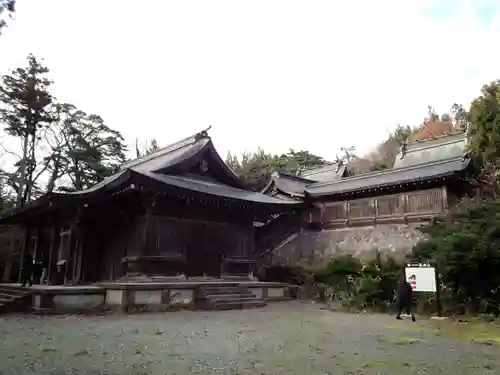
(427, 177)
(178, 212)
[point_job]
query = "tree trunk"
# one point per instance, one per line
(32, 166)
(22, 174)
(53, 177)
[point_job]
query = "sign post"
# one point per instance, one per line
(438, 294)
(424, 278)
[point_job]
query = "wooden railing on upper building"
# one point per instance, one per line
(414, 204)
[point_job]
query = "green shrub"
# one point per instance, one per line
(465, 246)
(358, 286)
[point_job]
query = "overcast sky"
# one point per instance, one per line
(280, 74)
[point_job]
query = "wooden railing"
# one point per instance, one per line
(424, 202)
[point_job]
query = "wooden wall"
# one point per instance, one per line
(202, 243)
(421, 203)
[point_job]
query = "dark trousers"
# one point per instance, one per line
(26, 279)
(406, 306)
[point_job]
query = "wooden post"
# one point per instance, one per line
(11, 235)
(51, 253)
(439, 308)
(444, 196)
(405, 207)
(149, 206)
(24, 246)
(35, 246)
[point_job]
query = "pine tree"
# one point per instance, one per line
(26, 111)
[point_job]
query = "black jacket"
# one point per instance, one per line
(28, 264)
(405, 291)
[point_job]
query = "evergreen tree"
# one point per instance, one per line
(26, 112)
(84, 149)
(484, 135)
(255, 168)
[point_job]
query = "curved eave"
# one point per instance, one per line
(388, 178)
(203, 190)
(43, 203)
(62, 199)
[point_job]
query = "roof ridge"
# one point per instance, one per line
(432, 138)
(292, 176)
(167, 149)
(313, 170)
(387, 171)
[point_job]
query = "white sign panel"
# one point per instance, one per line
(422, 278)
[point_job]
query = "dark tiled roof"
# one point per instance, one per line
(286, 183)
(325, 173)
(432, 150)
(159, 160)
(158, 165)
(215, 188)
(389, 177)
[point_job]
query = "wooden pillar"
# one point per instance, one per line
(35, 244)
(149, 205)
(11, 235)
(79, 261)
(444, 196)
(24, 248)
(52, 250)
(72, 248)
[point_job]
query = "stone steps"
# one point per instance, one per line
(236, 305)
(227, 297)
(14, 299)
(217, 295)
(225, 290)
(223, 299)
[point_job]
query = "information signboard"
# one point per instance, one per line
(422, 277)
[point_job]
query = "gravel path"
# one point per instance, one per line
(284, 338)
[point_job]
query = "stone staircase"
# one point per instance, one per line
(14, 299)
(227, 297)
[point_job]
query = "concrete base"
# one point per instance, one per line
(181, 294)
(60, 299)
(141, 296)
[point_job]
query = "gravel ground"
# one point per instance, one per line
(283, 338)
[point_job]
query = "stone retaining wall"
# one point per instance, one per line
(318, 247)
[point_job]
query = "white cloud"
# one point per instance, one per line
(313, 75)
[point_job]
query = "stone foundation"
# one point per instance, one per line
(318, 247)
(67, 299)
(158, 296)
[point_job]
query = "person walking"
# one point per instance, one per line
(27, 272)
(405, 299)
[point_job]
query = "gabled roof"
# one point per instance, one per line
(431, 150)
(171, 159)
(286, 183)
(329, 172)
(169, 168)
(389, 177)
(420, 161)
